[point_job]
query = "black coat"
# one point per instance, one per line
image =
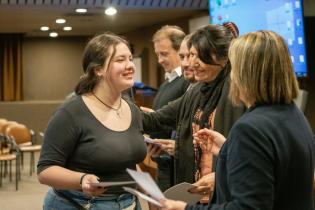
(266, 162)
(179, 114)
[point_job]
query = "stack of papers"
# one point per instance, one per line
(111, 184)
(145, 181)
(143, 196)
(177, 192)
(151, 141)
(180, 192)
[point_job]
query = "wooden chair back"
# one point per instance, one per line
(2, 123)
(20, 133)
(5, 125)
(4, 147)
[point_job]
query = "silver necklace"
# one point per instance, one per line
(110, 107)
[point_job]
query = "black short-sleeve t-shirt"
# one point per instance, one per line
(76, 140)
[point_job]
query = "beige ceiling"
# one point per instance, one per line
(27, 16)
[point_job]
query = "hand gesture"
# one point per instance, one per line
(172, 205)
(209, 140)
(195, 128)
(167, 145)
(146, 109)
(90, 190)
(205, 185)
(154, 150)
(201, 141)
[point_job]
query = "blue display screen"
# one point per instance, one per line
(282, 16)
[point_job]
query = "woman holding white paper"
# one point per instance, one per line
(96, 135)
(267, 161)
(205, 105)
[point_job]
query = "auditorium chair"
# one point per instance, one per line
(25, 140)
(7, 156)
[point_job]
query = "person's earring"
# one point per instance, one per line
(99, 77)
(98, 74)
(83, 76)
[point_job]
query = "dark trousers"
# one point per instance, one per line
(165, 172)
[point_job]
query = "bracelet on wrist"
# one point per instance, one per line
(81, 179)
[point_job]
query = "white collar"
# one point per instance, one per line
(177, 72)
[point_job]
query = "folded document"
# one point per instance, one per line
(111, 184)
(177, 192)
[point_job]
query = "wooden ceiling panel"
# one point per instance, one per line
(204, 4)
(39, 2)
(27, 16)
(123, 3)
(65, 2)
(56, 2)
(163, 3)
(148, 3)
(98, 3)
(80, 2)
(140, 3)
(171, 3)
(90, 3)
(29, 2)
(154, 4)
(180, 3)
(188, 3)
(196, 3)
(108, 3)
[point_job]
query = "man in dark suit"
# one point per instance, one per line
(167, 42)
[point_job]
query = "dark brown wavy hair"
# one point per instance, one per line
(213, 40)
(97, 54)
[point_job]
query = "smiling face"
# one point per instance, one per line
(167, 56)
(119, 73)
(203, 72)
(188, 72)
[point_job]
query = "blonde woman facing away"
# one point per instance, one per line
(266, 162)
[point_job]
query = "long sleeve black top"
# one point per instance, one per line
(179, 114)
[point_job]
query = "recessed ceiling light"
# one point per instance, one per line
(53, 34)
(60, 21)
(81, 10)
(110, 11)
(67, 28)
(44, 28)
